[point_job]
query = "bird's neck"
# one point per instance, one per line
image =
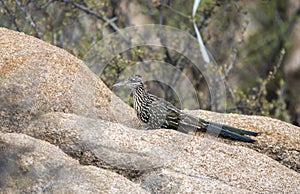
(140, 97)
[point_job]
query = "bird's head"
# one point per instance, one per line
(132, 82)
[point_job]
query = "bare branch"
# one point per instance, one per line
(160, 14)
(271, 75)
(28, 17)
(45, 5)
(91, 12)
(226, 75)
(98, 15)
(175, 11)
(12, 17)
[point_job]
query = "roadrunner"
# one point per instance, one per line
(157, 113)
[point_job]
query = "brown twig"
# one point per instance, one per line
(271, 75)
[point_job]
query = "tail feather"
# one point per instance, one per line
(228, 134)
(234, 129)
(190, 122)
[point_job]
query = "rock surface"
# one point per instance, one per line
(79, 141)
(37, 78)
(165, 160)
(277, 139)
(34, 166)
(106, 144)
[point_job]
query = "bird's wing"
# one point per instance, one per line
(173, 118)
(167, 115)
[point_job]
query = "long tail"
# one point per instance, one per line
(216, 129)
(232, 129)
(189, 123)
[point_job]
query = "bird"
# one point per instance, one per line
(158, 113)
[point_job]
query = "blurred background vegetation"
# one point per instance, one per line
(256, 43)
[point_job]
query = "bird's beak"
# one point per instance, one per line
(124, 83)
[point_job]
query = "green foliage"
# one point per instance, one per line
(119, 64)
(56, 22)
(268, 97)
(256, 31)
(256, 102)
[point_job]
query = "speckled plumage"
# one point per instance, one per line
(157, 113)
